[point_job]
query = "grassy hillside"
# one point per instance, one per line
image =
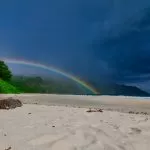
(7, 88)
(29, 84)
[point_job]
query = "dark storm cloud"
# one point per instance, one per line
(128, 53)
(91, 38)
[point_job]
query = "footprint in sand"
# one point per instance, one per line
(132, 118)
(136, 130)
(45, 139)
(62, 145)
(101, 121)
(146, 119)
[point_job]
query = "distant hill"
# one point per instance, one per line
(127, 91)
(63, 86)
(118, 89)
(33, 84)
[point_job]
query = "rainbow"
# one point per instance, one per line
(50, 68)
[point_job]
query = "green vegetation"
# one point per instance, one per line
(5, 77)
(7, 88)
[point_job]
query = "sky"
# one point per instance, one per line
(93, 39)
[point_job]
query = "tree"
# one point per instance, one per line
(5, 73)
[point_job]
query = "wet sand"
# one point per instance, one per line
(113, 103)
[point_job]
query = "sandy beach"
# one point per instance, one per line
(54, 122)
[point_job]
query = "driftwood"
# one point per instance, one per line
(143, 113)
(10, 103)
(94, 110)
(9, 148)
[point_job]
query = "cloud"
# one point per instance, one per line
(118, 15)
(124, 42)
(92, 38)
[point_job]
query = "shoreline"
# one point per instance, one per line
(111, 103)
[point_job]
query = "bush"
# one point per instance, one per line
(5, 73)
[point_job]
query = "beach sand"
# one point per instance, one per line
(61, 122)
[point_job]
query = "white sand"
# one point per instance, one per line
(75, 129)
